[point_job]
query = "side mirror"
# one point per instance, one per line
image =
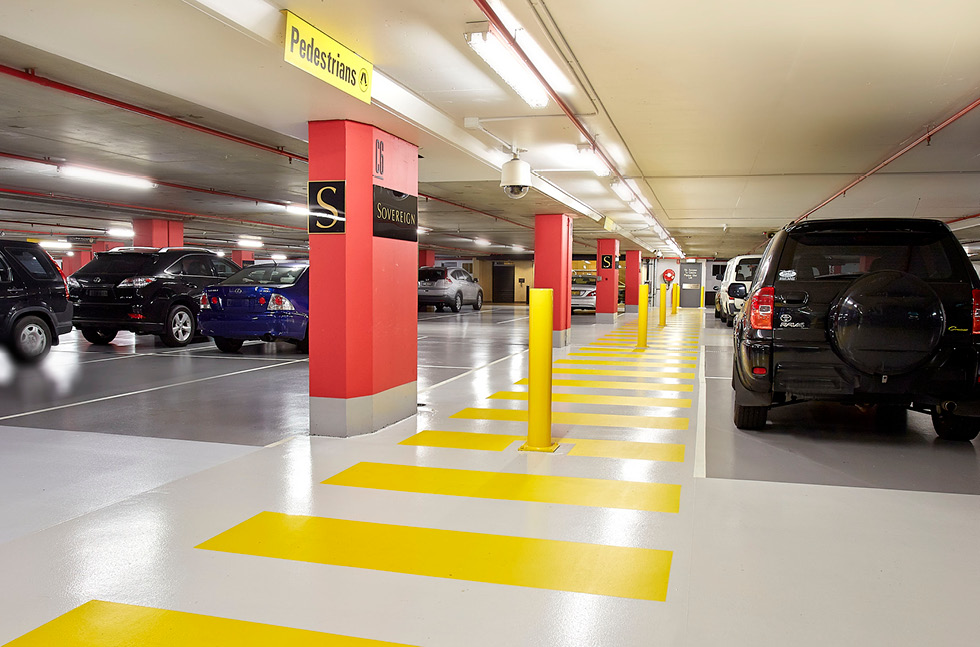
(717, 288)
(737, 291)
(476, 280)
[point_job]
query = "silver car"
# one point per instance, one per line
(583, 292)
(448, 286)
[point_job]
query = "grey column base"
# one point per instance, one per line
(632, 309)
(561, 338)
(606, 317)
(345, 417)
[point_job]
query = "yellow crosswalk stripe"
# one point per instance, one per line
(609, 384)
(574, 418)
(637, 573)
(566, 490)
(585, 447)
(590, 371)
(583, 398)
(635, 355)
(110, 624)
(624, 363)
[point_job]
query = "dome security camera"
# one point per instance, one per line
(515, 178)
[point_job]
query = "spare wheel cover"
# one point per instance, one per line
(887, 323)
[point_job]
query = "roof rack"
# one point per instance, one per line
(182, 248)
(133, 249)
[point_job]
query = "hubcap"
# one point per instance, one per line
(32, 339)
(181, 326)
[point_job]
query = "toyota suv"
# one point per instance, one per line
(872, 312)
(34, 307)
(145, 290)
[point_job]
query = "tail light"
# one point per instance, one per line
(280, 303)
(760, 312)
(590, 293)
(137, 282)
(205, 305)
(447, 279)
(64, 278)
(976, 312)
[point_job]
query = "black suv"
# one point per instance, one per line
(34, 307)
(881, 312)
(145, 290)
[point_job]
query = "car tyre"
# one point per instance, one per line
(717, 313)
(99, 336)
(30, 340)
(457, 304)
(179, 327)
(303, 345)
(952, 427)
(228, 345)
(730, 321)
(478, 304)
(750, 417)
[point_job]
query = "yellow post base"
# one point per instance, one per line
(549, 450)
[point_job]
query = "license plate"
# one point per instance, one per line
(236, 303)
(98, 293)
(426, 283)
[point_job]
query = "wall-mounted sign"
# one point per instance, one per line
(327, 202)
(668, 275)
(606, 262)
(314, 52)
(396, 215)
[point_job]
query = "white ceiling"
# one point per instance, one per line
(734, 118)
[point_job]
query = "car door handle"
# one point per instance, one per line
(793, 298)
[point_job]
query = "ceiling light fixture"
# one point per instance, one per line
(593, 161)
(498, 55)
(621, 190)
(220, 253)
(104, 177)
(278, 257)
(297, 210)
(482, 242)
(424, 230)
(120, 232)
(250, 243)
(638, 207)
(55, 244)
(518, 248)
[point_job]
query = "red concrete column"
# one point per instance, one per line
(71, 264)
(158, 233)
(105, 245)
(427, 257)
(241, 256)
(607, 287)
(553, 269)
(363, 326)
(633, 279)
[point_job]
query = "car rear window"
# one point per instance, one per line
(432, 275)
(583, 280)
(120, 263)
(267, 275)
(37, 263)
(745, 269)
(832, 255)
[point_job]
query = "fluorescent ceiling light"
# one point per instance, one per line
(518, 248)
(250, 242)
(638, 207)
(498, 55)
(621, 190)
(482, 242)
(118, 179)
(55, 244)
(558, 79)
(120, 232)
(69, 253)
(220, 253)
(424, 230)
(297, 209)
(278, 257)
(633, 184)
(593, 160)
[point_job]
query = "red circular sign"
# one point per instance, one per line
(668, 275)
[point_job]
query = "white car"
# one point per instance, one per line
(583, 292)
(740, 269)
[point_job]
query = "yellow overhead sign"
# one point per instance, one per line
(314, 52)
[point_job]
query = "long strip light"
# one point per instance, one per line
(120, 232)
(594, 162)
(250, 242)
(621, 190)
(499, 56)
(104, 177)
(55, 244)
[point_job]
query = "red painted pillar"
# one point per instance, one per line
(105, 245)
(607, 287)
(71, 264)
(553, 269)
(633, 279)
(363, 278)
(427, 257)
(241, 256)
(158, 233)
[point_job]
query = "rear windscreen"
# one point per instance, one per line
(583, 280)
(745, 269)
(119, 263)
(267, 275)
(431, 275)
(35, 261)
(833, 255)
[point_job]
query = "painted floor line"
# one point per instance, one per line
(626, 363)
(478, 368)
(700, 455)
(584, 447)
(611, 384)
(110, 624)
(504, 486)
(614, 400)
(637, 573)
(576, 418)
(589, 371)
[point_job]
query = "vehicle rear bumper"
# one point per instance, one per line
(436, 298)
(273, 325)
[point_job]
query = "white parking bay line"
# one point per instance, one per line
(150, 390)
(478, 368)
(497, 323)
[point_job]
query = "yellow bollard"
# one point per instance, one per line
(676, 294)
(539, 372)
(641, 322)
(663, 306)
(702, 296)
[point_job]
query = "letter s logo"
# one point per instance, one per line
(334, 214)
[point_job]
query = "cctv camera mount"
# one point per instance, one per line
(515, 178)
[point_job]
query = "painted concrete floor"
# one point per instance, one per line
(138, 508)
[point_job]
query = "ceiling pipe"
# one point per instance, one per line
(927, 136)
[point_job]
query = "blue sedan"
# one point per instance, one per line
(268, 301)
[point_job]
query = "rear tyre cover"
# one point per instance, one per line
(887, 323)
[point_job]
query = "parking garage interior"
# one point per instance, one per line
(160, 495)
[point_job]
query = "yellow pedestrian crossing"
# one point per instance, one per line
(585, 398)
(571, 418)
(660, 363)
(589, 371)
(637, 573)
(609, 384)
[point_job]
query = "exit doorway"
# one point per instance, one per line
(503, 283)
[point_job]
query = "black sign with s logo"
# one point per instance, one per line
(328, 207)
(607, 262)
